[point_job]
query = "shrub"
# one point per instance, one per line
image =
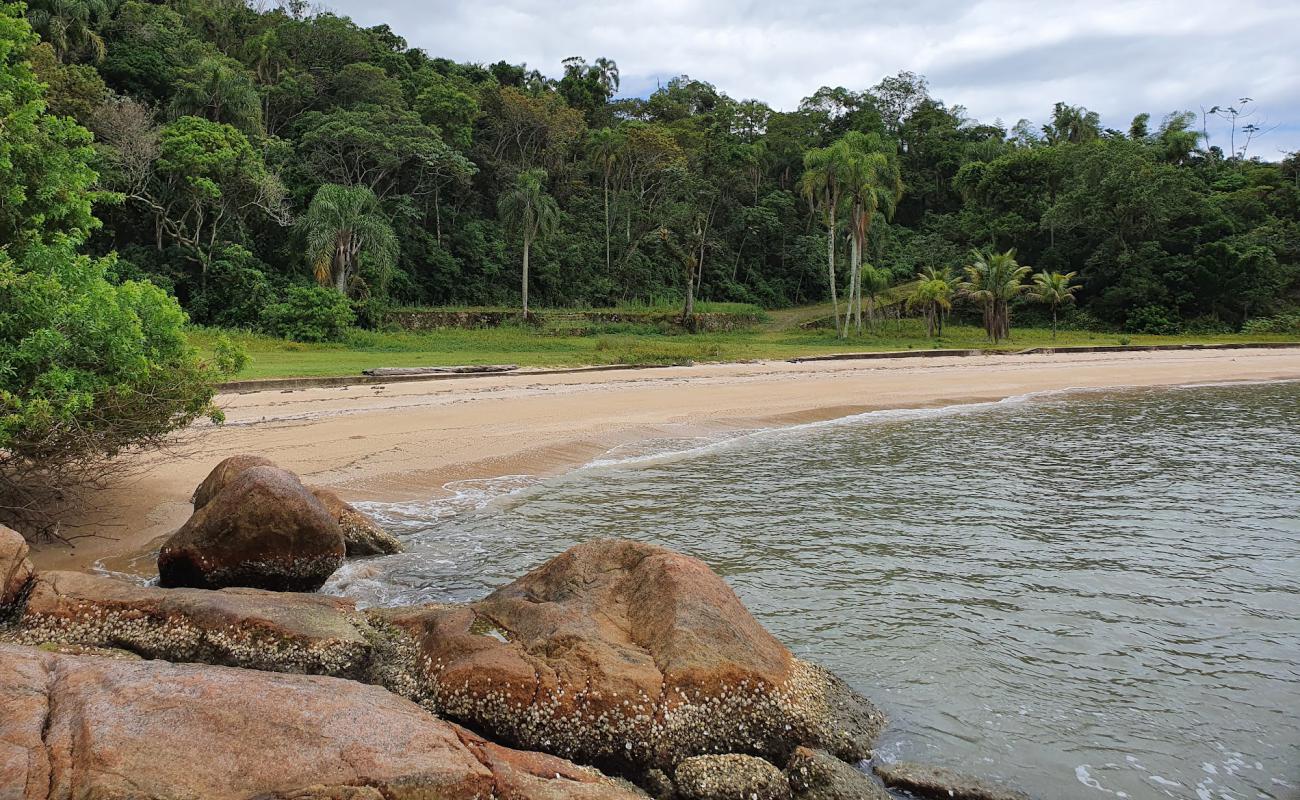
(309, 314)
(1153, 319)
(88, 370)
(1282, 323)
(235, 291)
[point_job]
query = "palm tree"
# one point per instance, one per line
(872, 282)
(933, 295)
(69, 26)
(822, 185)
(874, 185)
(528, 211)
(604, 148)
(219, 89)
(992, 280)
(342, 225)
(1053, 289)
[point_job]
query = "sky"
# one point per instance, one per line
(1000, 59)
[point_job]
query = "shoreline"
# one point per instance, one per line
(407, 441)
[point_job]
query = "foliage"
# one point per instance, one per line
(219, 124)
(350, 243)
(309, 314)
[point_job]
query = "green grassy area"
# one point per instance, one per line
(779, 338)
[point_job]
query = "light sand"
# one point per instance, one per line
(407, 440)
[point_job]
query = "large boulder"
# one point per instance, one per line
(623, 654)
(15, 570)
(361, 535)
(235, 627)
(223, 473)
(76, 726)
(263, 530)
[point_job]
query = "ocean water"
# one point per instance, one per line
(1087, 594)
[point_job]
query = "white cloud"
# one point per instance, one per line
(1001, 59)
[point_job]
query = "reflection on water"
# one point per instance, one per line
(1088, 594)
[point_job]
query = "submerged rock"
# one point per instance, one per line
(262, 529)
(79, 726)
(730, 777)
(815, 775)
(234, 627)
(223, 473)
(362, 536)
(624, 654)
(923, 780)
(15, 570)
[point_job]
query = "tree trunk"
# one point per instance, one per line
(1053, 323)
(688, 311)
(607, 223)
(830, 272)
(527, 245)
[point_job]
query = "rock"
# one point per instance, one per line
(93, 727)
(361, 535)
(263, 529)
(235, 627)
(816, 775)
(15, 570)
(730, 777)
(622, 654)
(923, 780)
(224, 473)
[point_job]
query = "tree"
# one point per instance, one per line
(69, 26)
(873, 185)
(993, 280)
(822, 185)
(219, 89)
(202, 182)
(528, 212)
(603, 148)
(345, 228)
(1053, 289)
(932, 293)
(89, 369)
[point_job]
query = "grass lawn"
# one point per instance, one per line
(779, 338)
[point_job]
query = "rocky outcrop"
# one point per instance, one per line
(78, 726)
(922, 780)
(362, 536)
(249, 628)
(730, 777)
(815, 775)
(223, 473)
(15, 570)
(621, 654)
(263, 529)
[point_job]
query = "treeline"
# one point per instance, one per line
(246, 155)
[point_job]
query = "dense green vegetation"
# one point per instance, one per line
(250, 152)
(89, 366)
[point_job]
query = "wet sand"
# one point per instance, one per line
(406, 440)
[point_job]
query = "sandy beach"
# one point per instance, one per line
(405, 441)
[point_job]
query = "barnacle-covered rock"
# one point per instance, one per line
(623, 654)
(361, 535)
(235, 627)
(815, 775)
(15, 570)
(730, 777)
(262, 529)
(76, 726)
(923, 780)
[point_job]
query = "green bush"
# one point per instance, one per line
(235, 291)
(1282, 323)
(309, 314)
(1153, 319)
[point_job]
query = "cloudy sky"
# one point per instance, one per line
(1001, 59)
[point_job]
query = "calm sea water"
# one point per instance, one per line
(1091, 594)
